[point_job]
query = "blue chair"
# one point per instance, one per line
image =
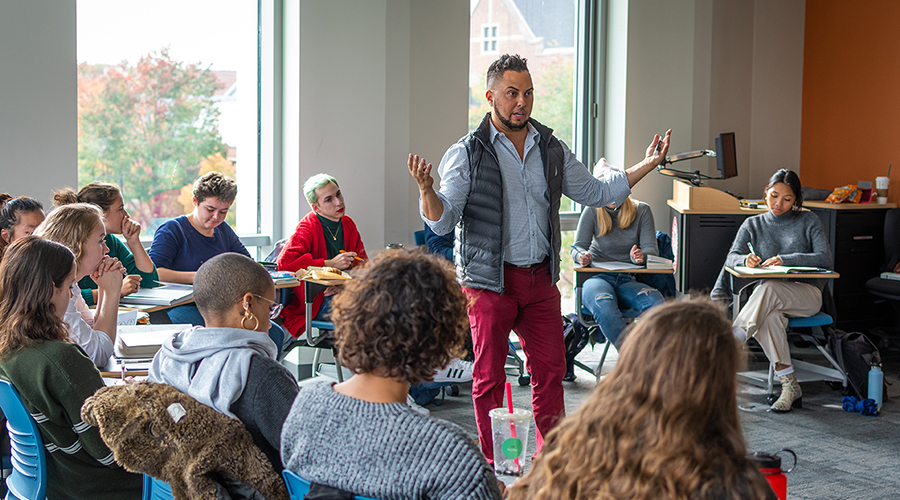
(28, 480)
(155, 489)
(299, 487)
(419, 237)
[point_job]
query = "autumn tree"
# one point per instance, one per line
(146, 128)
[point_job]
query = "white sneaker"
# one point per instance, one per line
(457, 371)
(416, 408)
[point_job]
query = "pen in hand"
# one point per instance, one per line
(752, 251)
(355, 257)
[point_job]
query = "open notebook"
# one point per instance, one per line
(780, 269)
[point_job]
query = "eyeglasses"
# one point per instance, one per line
(274, 309)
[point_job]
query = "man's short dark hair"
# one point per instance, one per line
(223, 280)
(504, 64)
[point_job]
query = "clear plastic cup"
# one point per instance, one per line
(509, 432)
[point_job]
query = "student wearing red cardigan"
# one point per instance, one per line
(318, 240)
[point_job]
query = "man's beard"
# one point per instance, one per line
(508, 124)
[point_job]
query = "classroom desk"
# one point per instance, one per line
(582, 274)
(312, 288)
(738, 278)
(157, 312)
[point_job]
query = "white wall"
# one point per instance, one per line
(38, 130)
(702, 67)
(378, 79)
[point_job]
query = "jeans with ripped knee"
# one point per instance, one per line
(607, 294)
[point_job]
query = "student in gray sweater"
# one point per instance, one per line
(619, 234)
(394, 326)
(784, 235)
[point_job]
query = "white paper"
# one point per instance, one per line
(127, 318)
(615, 266)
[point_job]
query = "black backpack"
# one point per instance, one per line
(856, 354)
(576, 337)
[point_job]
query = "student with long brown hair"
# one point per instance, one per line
(79, 227)
(51, 374)
(141, 270)
(663, 424)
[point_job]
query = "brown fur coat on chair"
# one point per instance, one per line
(157, 430)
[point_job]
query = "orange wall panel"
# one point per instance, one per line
(851, 93)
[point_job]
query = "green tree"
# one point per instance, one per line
(146, 128)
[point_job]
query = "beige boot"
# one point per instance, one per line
(791, 395)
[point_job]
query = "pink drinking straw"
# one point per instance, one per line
(512, 423)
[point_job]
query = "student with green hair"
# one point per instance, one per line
(324, 237)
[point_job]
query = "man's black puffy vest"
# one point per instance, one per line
(479, 235)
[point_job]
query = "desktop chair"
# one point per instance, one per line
(28, 480)
(299, 487)
(156, 489)
(818, 337)
(885, 289)
(319, 334)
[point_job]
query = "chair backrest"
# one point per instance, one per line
(299, 487)
(891, 237)
(419, 236)
(155, 489)
(28, 480)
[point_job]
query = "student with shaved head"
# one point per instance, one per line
(230, 364)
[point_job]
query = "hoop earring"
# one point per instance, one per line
(249, 315)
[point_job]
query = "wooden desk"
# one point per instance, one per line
(748, 279)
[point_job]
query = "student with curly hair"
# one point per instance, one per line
(141, 270)
(663, 424)
(394, 326)
(19, 217)
(51, 373)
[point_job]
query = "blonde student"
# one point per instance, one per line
(79, 226)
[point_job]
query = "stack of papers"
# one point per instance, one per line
(169, 294)
(282, 277)
(142, 341)
(890, 276)
(657, 262)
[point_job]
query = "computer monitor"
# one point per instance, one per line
(726, 155)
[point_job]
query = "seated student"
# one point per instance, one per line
(231, 364)
(623, 234)
(19, 217)
(402, 319)
(79, 226)
(440, 244)
(141, 271)
(663, 424)
(785, 235)
(52, 374)
(182, 244)
(324, 237)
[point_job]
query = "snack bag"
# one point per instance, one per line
(845, 194)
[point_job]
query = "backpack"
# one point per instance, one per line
(855, 354)
(576, 336)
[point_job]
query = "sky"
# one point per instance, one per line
(217, 32)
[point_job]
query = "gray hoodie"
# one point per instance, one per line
(210, 364)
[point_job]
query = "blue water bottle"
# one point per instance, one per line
(876, 383)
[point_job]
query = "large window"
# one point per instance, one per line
(167, 91)
(561, 40)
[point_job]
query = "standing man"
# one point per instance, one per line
(501, 188)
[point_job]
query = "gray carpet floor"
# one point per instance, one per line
(841, 455)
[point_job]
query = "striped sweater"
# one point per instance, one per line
(53, 379)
